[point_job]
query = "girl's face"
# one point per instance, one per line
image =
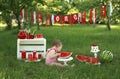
(59, 48)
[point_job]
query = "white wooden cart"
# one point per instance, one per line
(30, 45)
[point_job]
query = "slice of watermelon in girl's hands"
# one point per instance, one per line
(65, 55)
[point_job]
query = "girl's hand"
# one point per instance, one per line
(58, 54)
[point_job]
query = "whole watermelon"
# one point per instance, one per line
(106, 56)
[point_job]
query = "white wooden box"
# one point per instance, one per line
(30, 45)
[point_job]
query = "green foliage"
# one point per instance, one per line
(116, 10)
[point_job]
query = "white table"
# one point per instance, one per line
(30, 45)
(65, 60)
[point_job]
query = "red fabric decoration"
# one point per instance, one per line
(83, 17)
(57, 19)
(65, 18)
(48, 19)
(21, 12)
(25, 15)
(103, 11)
(91, 20)
(74, 18)
(39, 17)
(32, 17)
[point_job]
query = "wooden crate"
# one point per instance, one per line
(30, 45)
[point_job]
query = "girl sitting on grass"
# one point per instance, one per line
(52, 54)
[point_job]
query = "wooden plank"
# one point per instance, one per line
(32, 48)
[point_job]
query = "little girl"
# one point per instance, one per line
(52, 53)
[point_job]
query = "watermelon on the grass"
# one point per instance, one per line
(88, 59)
(65, 54)
(106, 56)
(81, 58)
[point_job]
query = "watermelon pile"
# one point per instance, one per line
(25, 34)
(22, 34)
(106, 56)
(65, 55)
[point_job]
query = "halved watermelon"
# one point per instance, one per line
(82, 58)
(88, 59)
(65, 54)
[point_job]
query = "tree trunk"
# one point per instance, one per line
(19, 24)
(108, 23)
(9, 25)
(18, 20)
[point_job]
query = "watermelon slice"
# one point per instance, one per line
(82, 58)
(88, 59)
(65, 54)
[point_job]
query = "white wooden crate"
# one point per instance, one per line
(30, 45)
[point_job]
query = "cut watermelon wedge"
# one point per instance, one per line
(88, 59)
(65, 55)
(82, 58)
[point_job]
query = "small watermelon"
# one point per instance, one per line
(106, 56)
(65, 54)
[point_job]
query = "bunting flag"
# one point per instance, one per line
(66, 18)
(83, 17)
(33, 17)
(91, 16)
(105, 14)
(39, 17)
(94, 15)
(48, 19)
(23, 15)
(111, 10)
(74, 18)
(103, 11)
(52, 19)
(79, 18)
(20, 12)
(57, 19)
(21, 19)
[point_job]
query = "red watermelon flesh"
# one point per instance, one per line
(82, 57)
(65, 54)
(94, 60)
(22, 34)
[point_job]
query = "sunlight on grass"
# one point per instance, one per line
(112, 26)
(61, 24)
(2, 25)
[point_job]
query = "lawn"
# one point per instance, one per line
(77, 39)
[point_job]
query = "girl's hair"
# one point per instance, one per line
(57, 43)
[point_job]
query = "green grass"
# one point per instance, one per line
(77, 39)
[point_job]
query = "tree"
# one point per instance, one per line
(6, 13)
(12, 7)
